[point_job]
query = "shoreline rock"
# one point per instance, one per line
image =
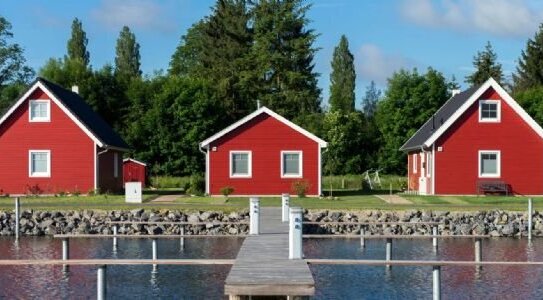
(494, 223)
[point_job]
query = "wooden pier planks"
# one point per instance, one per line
(262, 266)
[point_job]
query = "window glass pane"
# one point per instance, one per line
(291, 163)
(489, 110)
(38, 110)
(39, 162)
(489, 164)
(240, 163)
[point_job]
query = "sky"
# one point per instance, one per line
(384, 36)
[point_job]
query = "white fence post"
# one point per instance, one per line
(285, 204)
(115, 232)
(388, 252)
(478, 252)
(295, 250)
(182, 240)
(254, 214)
(362, 240)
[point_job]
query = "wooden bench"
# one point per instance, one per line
(492, 186)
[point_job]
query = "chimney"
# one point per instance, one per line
(455, 92)
(75, 89)
(257, 104)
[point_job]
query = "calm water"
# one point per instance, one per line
(332, 282)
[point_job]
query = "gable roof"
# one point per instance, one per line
(455, 107)
(135, 161)
(263, 110)
(78, 110)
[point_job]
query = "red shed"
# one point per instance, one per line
(479, 138)
(263, 154)
(134, 171)
(51, 141)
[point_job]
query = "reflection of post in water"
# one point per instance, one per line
(154, 278)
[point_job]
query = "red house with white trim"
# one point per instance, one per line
(263, 154)
(479, 137)
(51, 141)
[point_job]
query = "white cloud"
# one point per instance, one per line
(512, 18)
(142, 14)
(374, 64)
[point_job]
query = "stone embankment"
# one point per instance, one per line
(494, 223)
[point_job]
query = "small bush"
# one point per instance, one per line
(227, 191)
(33, 190)
(300, 187)
(197, 185)
(162, 182)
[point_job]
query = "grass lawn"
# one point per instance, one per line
(348, 200)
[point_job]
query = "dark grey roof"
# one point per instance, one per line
(437, 120)
(84, 113)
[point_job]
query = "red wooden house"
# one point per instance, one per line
(479, 139)
(134, 171)
(51, 141)
(263, 154)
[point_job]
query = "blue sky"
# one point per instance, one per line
(384, 36)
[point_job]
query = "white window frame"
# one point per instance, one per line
(249, 164)
(414, 162)
(39, 174)
(300, 164)
(498, 111)
(498, 163)
(39, 119)
(115, 164)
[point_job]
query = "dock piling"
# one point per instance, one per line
(388, 254)
(436, 276)
(434, 239)
(362, 240)
(478, 252)
(182, 239)
(285, 204)
(254, 214)
(65, 249)
(530, 215)
(115, 232)
(295, 250)
(101, 287)
(17, 216)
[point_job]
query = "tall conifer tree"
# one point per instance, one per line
(283, 52)
(530, 67)
(342, 78)
(486, 66)
(77, 44)
(127, 59)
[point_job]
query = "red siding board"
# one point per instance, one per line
(72, 152)
(133, 171)
(521, 152)
(266, 137)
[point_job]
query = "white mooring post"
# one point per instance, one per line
(478, 252)
(155, 254)
(101, 287)
(436, 275)
(434, 239)
(115, 232)
(530, 215)
(254, 215)
(65, 249)
(17, 216)
(182, 239)
(362, 240)
(285, 204)
(295, 250)
(388, 253)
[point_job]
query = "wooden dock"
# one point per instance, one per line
(262, 266)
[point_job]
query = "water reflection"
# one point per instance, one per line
(332, 282)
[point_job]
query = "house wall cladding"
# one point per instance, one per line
(521, 152)
(72, 152)
(266, 137)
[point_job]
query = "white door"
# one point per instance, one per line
(423, 181)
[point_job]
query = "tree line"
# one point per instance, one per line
(245, 51)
